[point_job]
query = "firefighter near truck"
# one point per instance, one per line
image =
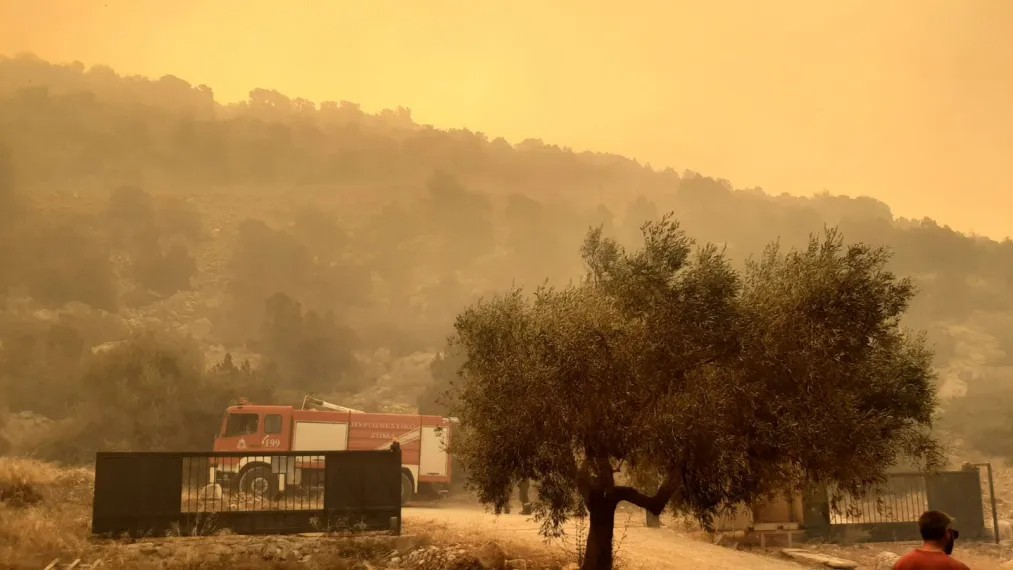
(320, 426)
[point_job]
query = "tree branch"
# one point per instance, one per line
(699, 359)
(656, 503)
(604, 474)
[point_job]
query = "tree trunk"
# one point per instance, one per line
(598, 550)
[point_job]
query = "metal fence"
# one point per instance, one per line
(152, 494)
(903, 498)
(890, 512)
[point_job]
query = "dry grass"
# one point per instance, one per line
(55, 523)
(438, 532)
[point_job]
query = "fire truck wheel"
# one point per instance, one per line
(407, 491)
(260, 482)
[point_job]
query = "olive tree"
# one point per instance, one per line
(721, 386)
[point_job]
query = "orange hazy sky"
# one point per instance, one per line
(908, 101)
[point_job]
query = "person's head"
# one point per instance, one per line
(936, 528)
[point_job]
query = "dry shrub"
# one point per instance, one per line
(21, 480)
(55, 523)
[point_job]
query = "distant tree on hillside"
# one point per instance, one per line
(310, 351)
(461, 219)
(981, 418)
(10, 201)
(10, 210)
(667, 362)
(40, 367)
(164, 272)
(62, 261)
(444, 369)
(241, 381)
(148, 393)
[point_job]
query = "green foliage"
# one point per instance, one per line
(11, 208)
(244, 381)
(10, 200)
(153, 234)
(39, 363)
(149, 393)
(164, 272)
(460, 220)
(68, 257)
(308, 350)
(61, 261)
(665, 360)
(982, 418)
(436, 399)
(268, 261)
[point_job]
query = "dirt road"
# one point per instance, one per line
(639, 547)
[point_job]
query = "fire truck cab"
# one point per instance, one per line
(321, 426)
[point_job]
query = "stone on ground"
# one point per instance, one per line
(886, 560)
(809, 557)
(491, 556)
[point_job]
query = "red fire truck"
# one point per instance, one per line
(322, 426)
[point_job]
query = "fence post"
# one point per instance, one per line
(816, 511)
(991, 497)
(653, 520)
(396, 448)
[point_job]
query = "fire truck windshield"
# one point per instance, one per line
(241, 424)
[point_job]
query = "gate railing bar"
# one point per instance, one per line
(900, 499)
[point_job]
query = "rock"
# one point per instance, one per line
(405, 544)
(886, 560)
(572, 566)
(491, 556)
(517, 564)
(106, 347)
(810, 557)
(211, 492)
(269, 552)
(465, 563)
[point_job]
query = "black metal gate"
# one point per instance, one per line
(890, 513)
(154, 494)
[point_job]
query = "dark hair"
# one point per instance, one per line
(933, 524)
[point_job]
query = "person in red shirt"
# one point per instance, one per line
(939, 537)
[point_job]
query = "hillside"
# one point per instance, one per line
(278, 246)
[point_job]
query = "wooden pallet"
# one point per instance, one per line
(76, 564)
